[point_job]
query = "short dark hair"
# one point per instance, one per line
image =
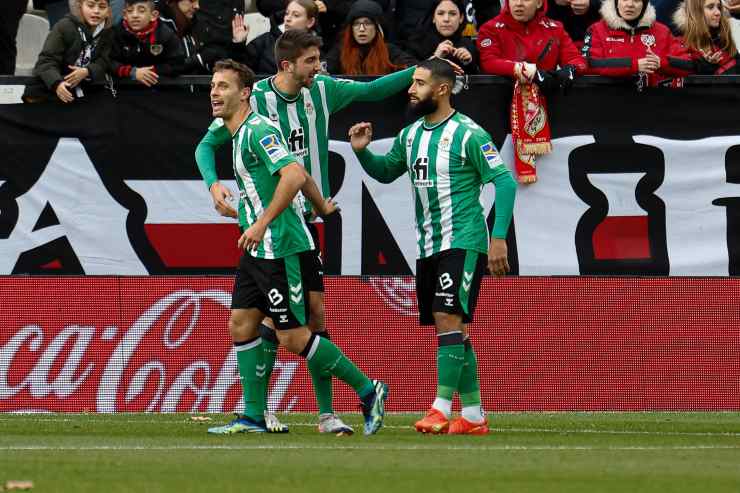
(440, 69)
(151, 3)
(246, 76)
(292, 43)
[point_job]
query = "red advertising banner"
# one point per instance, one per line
(116, 344)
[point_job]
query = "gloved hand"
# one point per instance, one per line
(545, 80)
(565, 77)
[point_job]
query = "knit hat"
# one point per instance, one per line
(365, 8)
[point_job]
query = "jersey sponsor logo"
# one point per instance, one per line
(275, 297)
(421, 173)
(445, 280)
(615, 40)
(273, 148)
(297, 142)
(491, 154)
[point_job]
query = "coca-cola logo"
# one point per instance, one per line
(398, 293)
(169, 359)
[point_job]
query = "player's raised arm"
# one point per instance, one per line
(344, 91)
(385, 168)
(205, 158)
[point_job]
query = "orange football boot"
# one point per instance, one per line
(461, 426)
(434, 422)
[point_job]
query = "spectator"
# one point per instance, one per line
(11, 12)
(331, 15)
(180, 15)
(220, 31)
(299, 14)
(733, 6)
(410, 13)
(57, 9)
(441, 34)
(362, 49)
(75, 53)
(710, 34)
(629, 42)
(524, 44)
(144, 48)
(576, 16)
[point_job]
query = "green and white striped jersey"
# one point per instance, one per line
(259, 152)
(448, 164)
(304, 120)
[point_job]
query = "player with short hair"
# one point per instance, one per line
(300, 101)
(448, 158)
(270, 278)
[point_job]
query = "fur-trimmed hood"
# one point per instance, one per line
(680, 20)
(614, 21)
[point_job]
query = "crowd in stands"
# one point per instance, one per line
(530, 41)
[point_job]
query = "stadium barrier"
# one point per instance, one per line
(160, 343)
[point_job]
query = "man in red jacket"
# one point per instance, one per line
(522, 42)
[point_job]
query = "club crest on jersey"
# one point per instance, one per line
(491, 154)
(308, 107)
(444, 144)
(273, 148)
(648, 40)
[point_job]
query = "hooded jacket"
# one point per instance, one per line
(612, 47)
(727, 64)
(503, 41)
(156, 46)
(68, 43)
(172, 17)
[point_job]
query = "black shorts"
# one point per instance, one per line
(311, 264)
(449, 282)
(274, 286)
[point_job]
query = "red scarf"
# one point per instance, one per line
(530, 129)
(147, 32)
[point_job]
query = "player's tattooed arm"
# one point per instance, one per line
(292, 179)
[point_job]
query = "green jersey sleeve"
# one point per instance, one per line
(386, 168)
(481, 152)
(267, 143)
(205, 153)
(342, 92)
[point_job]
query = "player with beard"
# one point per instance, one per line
(448, 158)
(300, 100)
(271, 278)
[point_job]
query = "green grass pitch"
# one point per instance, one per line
(526, 452)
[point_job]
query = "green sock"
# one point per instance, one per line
(469, 387)
(322, 384)
(450, 359)
(329, 359)
(250, 360)
(269, 349)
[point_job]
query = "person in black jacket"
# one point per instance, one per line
(11, 12)
(299, 14)
(181, 16)
(143, 48)
(76, 52)
(440, 34)
(576, 15)
(361, 48)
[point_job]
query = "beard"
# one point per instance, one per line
(423, 107)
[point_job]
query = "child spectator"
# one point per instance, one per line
(299, 14)
(143, 48)
(441, 34)
(710, 34)
(629, 42)
(76, 53)
(526, 45)
(362, 49)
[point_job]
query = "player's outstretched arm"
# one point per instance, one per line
(385, 168)
(498, 261)
(292, 179)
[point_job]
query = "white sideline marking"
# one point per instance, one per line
(360, 447)
(410, 427)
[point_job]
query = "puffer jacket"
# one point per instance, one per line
(503, 41)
